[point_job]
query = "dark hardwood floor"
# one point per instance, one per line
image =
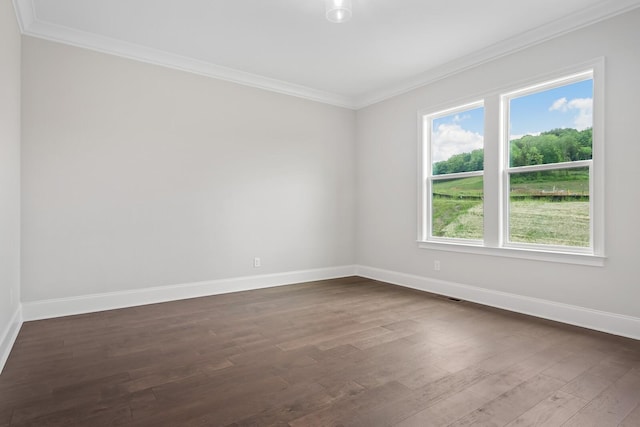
(345, 352)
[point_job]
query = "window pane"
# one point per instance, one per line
(552, 126)
(550, 207)
(457, 208)
(457, 142)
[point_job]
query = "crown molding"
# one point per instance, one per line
(30, 25)
(25, 12)
(589, 16)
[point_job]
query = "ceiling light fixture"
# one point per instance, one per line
(338, 11)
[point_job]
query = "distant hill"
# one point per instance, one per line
(554, 146)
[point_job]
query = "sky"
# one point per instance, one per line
(457, 133)
(568, 106)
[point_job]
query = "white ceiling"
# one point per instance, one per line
(388, 47)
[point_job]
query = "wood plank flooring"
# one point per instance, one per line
(344, 352)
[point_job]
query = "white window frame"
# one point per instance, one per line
(429, 177)
(496, 168)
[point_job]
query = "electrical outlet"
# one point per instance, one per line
(436, 265)
(256, 262)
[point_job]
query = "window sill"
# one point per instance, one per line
(521, 253)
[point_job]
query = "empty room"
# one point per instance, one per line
(319, 213)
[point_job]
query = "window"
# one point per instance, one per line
(550, 147)
(534, 188)
(455, 139)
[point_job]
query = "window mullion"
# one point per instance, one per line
(492, 179)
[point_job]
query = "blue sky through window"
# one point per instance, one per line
(569, 106)
(457, 133)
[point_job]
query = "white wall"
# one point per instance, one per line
(9, 175)
(387, 177)
(136, 175)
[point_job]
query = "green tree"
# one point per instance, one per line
(554, 146)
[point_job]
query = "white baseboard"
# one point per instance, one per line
(612, 323)
(59, 307)
(9, 336)
(617, 324)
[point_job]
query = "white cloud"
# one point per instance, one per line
(457, 118)
(451, 138)
(584, 107)
(559, 104)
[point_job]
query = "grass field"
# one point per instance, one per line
(457, 218)
(568, 181)
(550, 223)
(571, 187)
(458, 210)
